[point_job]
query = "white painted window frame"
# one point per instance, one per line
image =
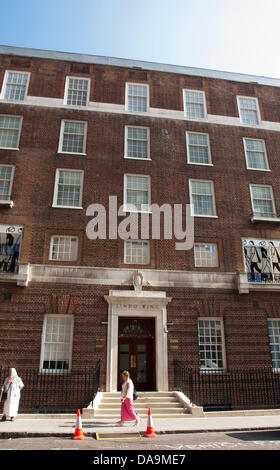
(212, 216)
(5, 81)
(214, 369)
(125, 251)
(126, 143)
(68, 78)
(253, 98)
(206, 244)
(61, 137)
(63, 236)
(272, 199)
(125, 209)
(275, 369)
(19, 130)
(3, 201)
(56, 188)
(208, 148)
(54, 371)
(126, 97)
(205, 117)
(265, 155)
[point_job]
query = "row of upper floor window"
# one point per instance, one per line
(77, 93)
(73, 138)
(68, 193)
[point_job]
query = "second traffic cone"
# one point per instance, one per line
(150, 432)
(79, 435)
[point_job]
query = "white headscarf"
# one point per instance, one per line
(14, 375)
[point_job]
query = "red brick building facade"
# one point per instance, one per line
(77, 129)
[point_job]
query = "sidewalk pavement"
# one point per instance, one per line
(64, 426)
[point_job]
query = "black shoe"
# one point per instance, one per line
(3, 418)
(12, 418)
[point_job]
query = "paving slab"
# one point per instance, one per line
(65, 426)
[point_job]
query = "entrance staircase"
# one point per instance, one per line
(163, 405)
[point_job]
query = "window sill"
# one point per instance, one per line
(204, 215)
(137, 158)
(66, 207)
(259, 169)
(203, 164)
(265, 219)
(9, 148)
(72, 153)
(126, 210)
(7, 203)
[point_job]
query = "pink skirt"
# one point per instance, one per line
(127, 410)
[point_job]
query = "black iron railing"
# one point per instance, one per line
(56, 392)
(235, 389)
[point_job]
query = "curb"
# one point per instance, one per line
(26, 434)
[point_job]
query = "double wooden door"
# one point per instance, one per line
(137, 355)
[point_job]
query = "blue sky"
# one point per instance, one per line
(232, 35)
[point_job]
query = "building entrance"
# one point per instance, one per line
(136, 351)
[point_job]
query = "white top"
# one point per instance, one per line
(130, 391)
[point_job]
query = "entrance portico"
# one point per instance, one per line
(137, 304)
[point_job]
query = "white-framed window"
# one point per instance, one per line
(6, 182)
(73, 137)
(249, 110)
(68, 188)
(137, 193)
(63, 248)
(137, 252)
(255, 152)
(56, 352)
(194, 104)
(137, 142)
(137, 97)
(274, 341)
(206, 255)
(202, 197)
(211, 343)
(10, 128)
(15, 85)
(77, 91)
(262, 201)
(198, 148)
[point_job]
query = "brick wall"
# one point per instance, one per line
(244, 317)
(104, 165)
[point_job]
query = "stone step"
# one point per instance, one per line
(109, 411)
(141, 404)
(142, 399)
(142, 394)
(143, 416)
(163, 405)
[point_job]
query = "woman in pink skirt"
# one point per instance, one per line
(127, 411)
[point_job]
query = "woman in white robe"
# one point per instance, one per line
(12, 385)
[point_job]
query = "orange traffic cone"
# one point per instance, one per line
(79, 431)
(150, 428)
